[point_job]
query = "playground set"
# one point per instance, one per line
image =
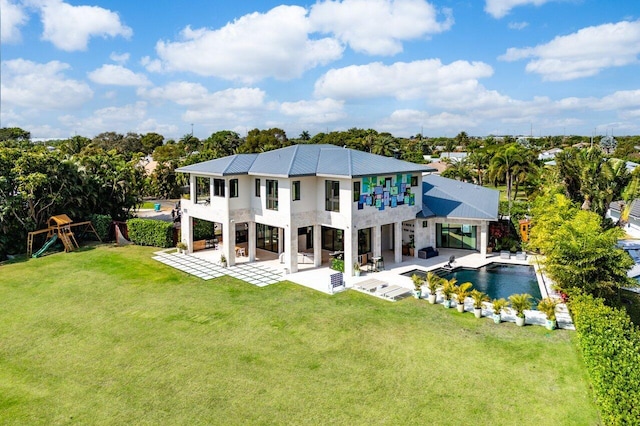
(60, 227)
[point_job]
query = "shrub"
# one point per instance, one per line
(610, 346)
(202, 229)
(337, 264)
(102, 223)
(150, 232)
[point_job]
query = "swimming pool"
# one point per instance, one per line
(496, 279)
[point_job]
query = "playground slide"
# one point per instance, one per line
(46, 246)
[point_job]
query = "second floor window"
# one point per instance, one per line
(295, 190)
(332, 195)
(356, 192)
(218, 187)
(272, 194)
(233, 188)
(257, 193)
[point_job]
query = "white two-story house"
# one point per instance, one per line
(310, 198)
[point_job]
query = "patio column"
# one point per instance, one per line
(350, 250)
(317, 245)
(291, 249)
(377, 240)
(252, 241)
(484, 233)
(397, 242)
(186, 231)
(229, 242)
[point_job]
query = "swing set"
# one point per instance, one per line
(60, 227)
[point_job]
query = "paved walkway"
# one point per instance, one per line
(253, 273)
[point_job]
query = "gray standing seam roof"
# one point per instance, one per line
(305, 160)
(451, 198)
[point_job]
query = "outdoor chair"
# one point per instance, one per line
(335, 281)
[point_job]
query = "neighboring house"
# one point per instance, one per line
(630, 217)
(309, 198)
(549, 154)
(453, 157)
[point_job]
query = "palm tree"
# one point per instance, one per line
(503, 165)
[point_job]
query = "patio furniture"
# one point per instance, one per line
(388, 290)
(370, 285)
(521, 255)
(335, 281)
(427, 252)
(396, 294)
(505, 254)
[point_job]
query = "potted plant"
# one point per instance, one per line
(520, 303)
(498, 305)
(448, 287)
(356, 269)
(478, 299)
(223, 261)
(182, 247)
(461, 292)
(412, 245)
(548, 307)
(433, 283)
(417, 285)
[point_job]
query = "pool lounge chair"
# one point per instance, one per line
(389, 289)
(521, 255)
(396, 294)
(505, 254)
(370, 285)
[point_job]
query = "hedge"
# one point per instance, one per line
(610, 345)
(101, 222)
(150, 232)
(202, 229)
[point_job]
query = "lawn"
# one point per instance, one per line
(108, 335)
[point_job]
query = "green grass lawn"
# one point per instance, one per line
(108, 335)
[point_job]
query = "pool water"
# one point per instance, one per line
(497, 279)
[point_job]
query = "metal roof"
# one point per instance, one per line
(454, 199)
(305, 160)
(238, 164)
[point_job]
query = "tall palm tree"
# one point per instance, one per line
(503, 165)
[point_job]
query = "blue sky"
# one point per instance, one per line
(547, 67)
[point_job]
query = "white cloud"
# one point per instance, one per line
(43, 86)
(253, 47)
(196, 95)
(202, 105)
(518, 25)
(116, 119)
(584, 53)
(378, 27)
(152, 65)
(408, 118)
(11, 19)
(117, 75)
(500, 8)
(70, 27)
(314, 112)
(402, 80)
(121, 58)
